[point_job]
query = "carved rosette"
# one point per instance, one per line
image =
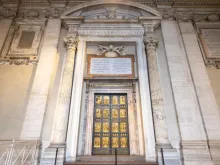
(151, 43)
(71, 42)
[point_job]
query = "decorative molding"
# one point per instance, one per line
(40, 13)
(12, 54)
(208, 35)
(14, 50)
(7, 12)
(166, 3)
(110, 51)
(106, 84)
(17, 62)
(110, 2)
(74, 28)
(212, 18)
(194, 16)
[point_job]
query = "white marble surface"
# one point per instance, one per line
(169, 104)
(206, 98)
(75, 108)
(191, 126)
(40, 88)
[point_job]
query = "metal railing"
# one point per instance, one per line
(116, 156)
(19, 152)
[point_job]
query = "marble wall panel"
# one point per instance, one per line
(14, 85)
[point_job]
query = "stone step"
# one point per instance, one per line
(110, 160)
(111, 163)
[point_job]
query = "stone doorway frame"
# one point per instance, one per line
(143, 84)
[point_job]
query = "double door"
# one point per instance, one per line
(110, 125)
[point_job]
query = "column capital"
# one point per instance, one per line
(151, 42)
(71, 42)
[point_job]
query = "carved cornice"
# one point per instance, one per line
(176, 3)
(71, 42)
(151, 43)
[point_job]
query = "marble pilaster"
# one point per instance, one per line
(148, 128)
(156, 91)
(194, 147)
(41, 83)
(75, 107)
(184, 95)
(207, 102)
(63, 104)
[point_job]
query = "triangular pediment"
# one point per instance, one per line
(111, 9)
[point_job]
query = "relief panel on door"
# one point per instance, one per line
(110, 126)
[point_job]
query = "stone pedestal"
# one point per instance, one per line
(40, 88)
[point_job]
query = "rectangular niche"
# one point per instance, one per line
(25, 41)
(209, 38)
(110, 60)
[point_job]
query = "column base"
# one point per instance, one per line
(215, 151)
(196, 153)
(53, 156)
(168, 156)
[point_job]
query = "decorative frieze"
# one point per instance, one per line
(110, 32)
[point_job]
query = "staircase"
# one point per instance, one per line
(110, 160)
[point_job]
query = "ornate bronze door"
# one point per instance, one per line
(110, 126)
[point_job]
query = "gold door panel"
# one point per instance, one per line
(110, 128)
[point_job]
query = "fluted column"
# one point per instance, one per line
(156, 91)
(63, 103)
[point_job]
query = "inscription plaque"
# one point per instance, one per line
(105, 66)
(210, 39)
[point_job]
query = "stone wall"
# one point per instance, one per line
(14, 85)
(214, 76)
